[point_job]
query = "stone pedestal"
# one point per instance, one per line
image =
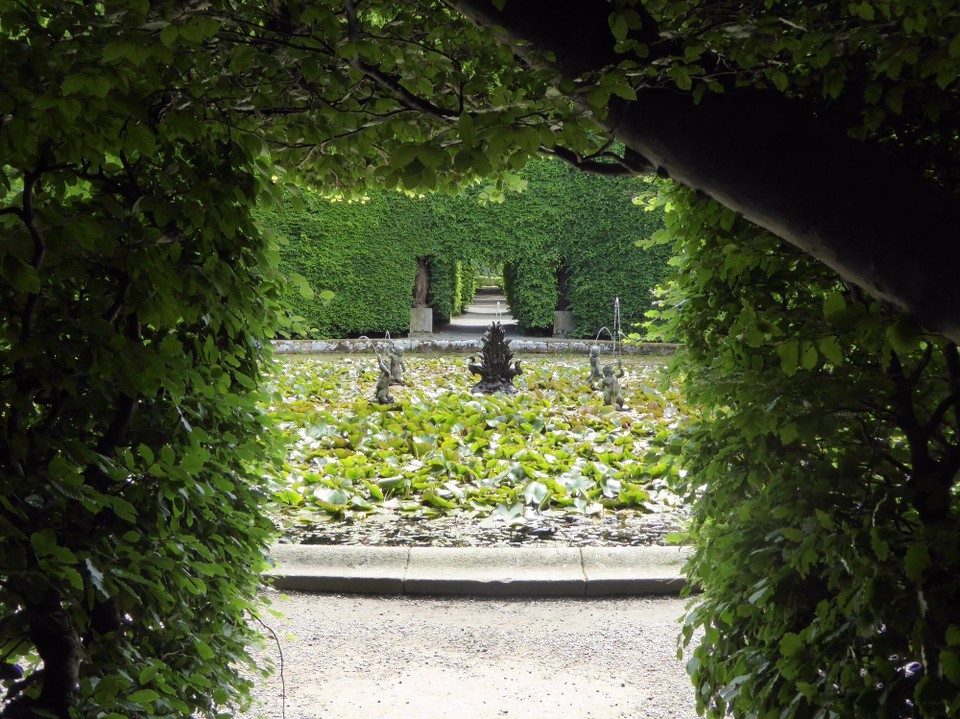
(562, 323)
(421, 320)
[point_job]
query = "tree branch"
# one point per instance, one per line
(630, 164)
(388, 81)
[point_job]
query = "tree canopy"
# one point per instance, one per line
(137, 136)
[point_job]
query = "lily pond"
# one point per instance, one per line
(444, 466)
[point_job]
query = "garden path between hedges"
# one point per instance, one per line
(488, 305)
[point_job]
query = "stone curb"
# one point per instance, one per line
(492, 571)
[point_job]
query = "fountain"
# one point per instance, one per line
(382, 393)
(397, 364)
(497, 367)
(391, 368)
(609, 377)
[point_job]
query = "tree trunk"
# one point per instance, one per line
(862, 211)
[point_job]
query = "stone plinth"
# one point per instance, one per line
(562, 323)
(421, 320)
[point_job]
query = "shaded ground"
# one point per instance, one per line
(353, 656)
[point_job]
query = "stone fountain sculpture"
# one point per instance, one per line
(612, 392)
(497, 367)
(383, 395)
(397, 365)
(595, 374)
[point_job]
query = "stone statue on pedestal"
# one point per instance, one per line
(595, 374)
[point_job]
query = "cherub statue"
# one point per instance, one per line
(397, 365)
(595, 374)
(612, 394)
(383, 383)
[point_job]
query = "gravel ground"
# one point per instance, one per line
(398, 657)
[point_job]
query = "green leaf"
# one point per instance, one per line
(831, 349)
(598, 98)
(791, 644)
(793, 534)
(198, 29)
(789, 353)
(148, 673)
(681, 76)
(623, 90)
(950, 663)
(778, 78)
(954, 48)
(73, 84)
(146, 697)
(59, 468)
(108, 688)
(44, 542)
(169, 35)
(204, 651)
(21, 275)
(618, 26)
(535, 493)
(904, 335)
(834, 304)
(826, 521)
(880, 547)
(73, 577)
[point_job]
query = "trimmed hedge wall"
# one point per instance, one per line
(586, 222)
(366, 253)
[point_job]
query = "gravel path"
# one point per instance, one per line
(397, 657)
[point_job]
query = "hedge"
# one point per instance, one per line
(366, 252)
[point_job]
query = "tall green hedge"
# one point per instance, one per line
(366, 253)
(823, 473)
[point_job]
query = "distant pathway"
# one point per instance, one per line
(478, 315)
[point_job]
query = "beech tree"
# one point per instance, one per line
(137, 136)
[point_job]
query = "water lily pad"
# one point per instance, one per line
(441, 450)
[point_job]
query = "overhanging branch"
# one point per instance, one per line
(628, 165)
